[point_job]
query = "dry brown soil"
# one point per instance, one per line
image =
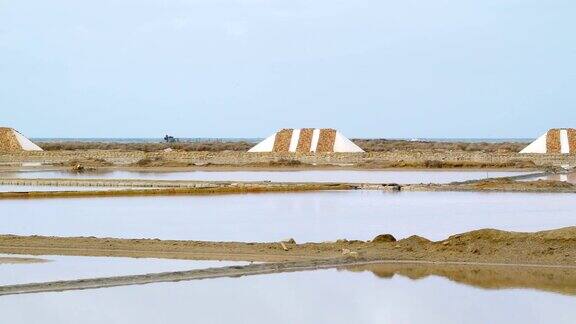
(555, 247)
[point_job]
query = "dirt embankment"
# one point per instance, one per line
(556, 247)
(199, 189)
(380, 154)
(499, 185)
(110, 159)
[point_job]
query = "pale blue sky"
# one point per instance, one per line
(244, 68)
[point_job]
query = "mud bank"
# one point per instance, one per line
(426, 159)
(555, 247)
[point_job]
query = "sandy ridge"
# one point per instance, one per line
(555, 247)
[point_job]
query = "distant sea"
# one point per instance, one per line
(256, 140)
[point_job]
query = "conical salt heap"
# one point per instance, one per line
(307, 140)
(555, 141)
(12, 141)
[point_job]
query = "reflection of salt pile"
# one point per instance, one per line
(307, 140)
(569, 177)
(12, 141)
(555, 141)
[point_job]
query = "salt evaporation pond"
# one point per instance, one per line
(309, 216)
(359, 176)
(327, 296)
(80, 267)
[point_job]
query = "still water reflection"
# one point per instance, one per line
(328, 296)
(569, 177)
(311, 216)
(57, 268)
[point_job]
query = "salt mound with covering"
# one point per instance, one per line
(307, 140)
(12, 141)
(555, 141)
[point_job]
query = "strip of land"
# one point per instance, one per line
(102, 159)
(193, 189)
(368, 145)
(20, 260)
(127, 187)
(555, 247)
(489, 276)
(498, 185)
(551, 253)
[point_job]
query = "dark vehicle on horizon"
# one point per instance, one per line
(170, 139)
